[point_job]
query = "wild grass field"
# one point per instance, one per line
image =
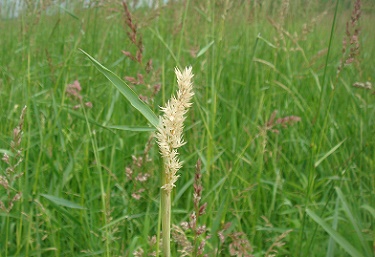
(279, 157)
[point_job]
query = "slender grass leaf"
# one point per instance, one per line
(67, 174)
(4, 151)
(369, 209)
(96, 253)
(166, 45)
(331, 243)
(82, 117)
(126, 91)
(63, 202)
(335, 235)
(69, 12)
(129, 128)
(317, 163)
(222, 210)
(266, 41)
(204, 15)
(111, 127)
(353, 220)
(183, 189)
(133, 245)
(112, 106)
(270, 65)
(67, 213)
(126, 217)
(204, 49)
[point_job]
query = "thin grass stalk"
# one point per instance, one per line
(316, 148)
(101, 179)
(166, 222)
(183, 22)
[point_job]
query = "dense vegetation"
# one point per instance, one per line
(286, 142)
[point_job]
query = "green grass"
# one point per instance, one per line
(316, 177)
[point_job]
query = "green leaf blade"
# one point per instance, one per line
(126, 91)
(204, 49)
(63, 202)
(349, 248)
(131, 128)
(317, 163)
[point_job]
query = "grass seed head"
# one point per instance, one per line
(170, 130)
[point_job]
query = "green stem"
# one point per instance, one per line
(316, 146)
(166, 221)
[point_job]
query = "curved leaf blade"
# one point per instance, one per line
(204, 49)
(126, 91)
(62, 202)
(370, 209)
(348, 247)
(130, 128)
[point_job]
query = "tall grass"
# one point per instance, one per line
(286, 145)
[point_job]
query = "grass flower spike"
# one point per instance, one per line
(169, 138)
(169, 135)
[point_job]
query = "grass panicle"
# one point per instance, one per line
(170, 131)
(13, 172)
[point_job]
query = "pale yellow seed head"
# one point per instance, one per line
(170, 130)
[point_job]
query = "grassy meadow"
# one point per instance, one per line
(284, 140)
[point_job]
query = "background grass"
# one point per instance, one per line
(312, 177)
